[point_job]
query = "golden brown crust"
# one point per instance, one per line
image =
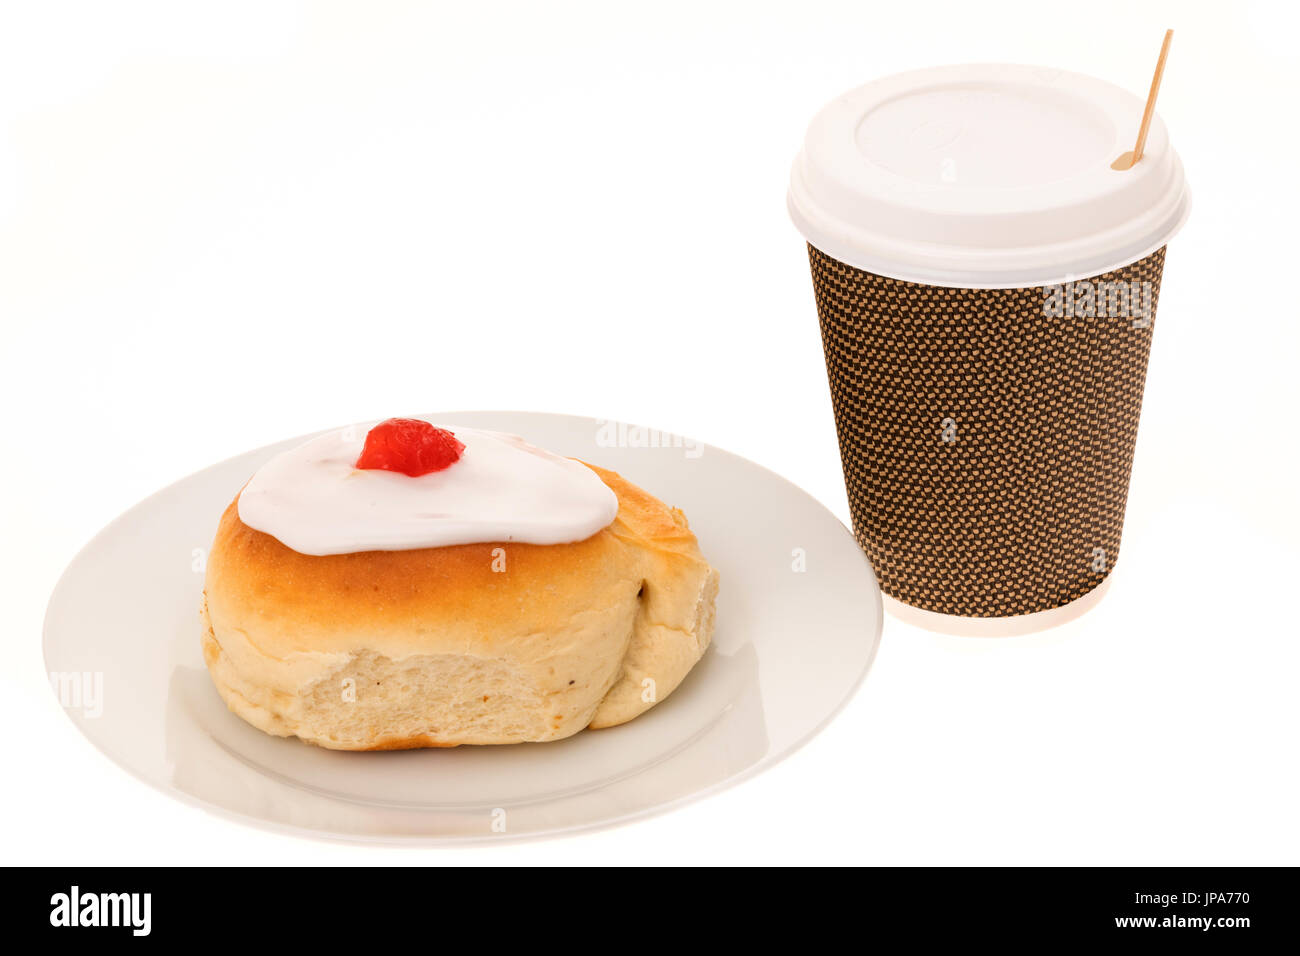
(545, 628)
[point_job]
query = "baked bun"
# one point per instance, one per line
(467, 644)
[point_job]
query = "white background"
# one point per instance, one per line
(226, 224)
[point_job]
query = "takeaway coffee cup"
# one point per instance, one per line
(986, 285)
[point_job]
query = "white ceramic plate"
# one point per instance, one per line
(122, 634)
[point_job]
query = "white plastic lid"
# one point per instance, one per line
(986, 176)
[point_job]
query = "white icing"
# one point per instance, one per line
(313, 500)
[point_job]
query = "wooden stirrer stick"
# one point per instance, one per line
(1130, 159)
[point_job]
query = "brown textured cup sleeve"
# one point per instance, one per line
(986, 443)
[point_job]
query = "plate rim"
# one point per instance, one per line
(873, 631)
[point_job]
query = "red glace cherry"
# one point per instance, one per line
(409, 446)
